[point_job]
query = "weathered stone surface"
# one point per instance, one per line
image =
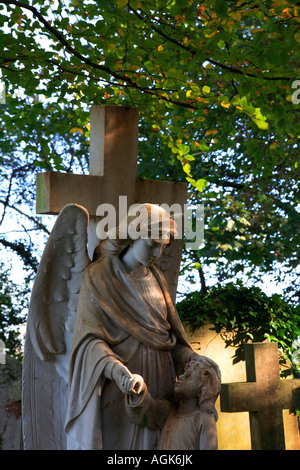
(234, 427)
(264, 396)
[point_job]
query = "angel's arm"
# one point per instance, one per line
(125, 380)
(183, 355)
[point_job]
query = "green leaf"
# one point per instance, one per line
(187, 168)
(221, 7)
(261, 124)
(182, 149)
(201, 184)
(206, 89)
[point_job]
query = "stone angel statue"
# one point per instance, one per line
(98, 330)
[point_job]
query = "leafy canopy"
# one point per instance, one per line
(215, 83)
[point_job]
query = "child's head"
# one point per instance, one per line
(198, 381)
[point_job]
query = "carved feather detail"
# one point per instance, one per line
(50, 323)
(57, 284)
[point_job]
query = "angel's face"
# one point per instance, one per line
(147, 251)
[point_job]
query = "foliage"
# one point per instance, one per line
(244, 314)
(217, 91)
(13, 300)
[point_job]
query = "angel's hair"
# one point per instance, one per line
(143, 221)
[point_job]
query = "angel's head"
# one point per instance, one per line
(147, 229)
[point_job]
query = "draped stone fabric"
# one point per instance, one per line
(131, 320)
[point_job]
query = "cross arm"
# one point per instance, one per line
(56, 190)
(289, 392)
(238, 397)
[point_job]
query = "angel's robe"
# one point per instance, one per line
(126, 319)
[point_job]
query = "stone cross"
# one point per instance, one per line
(264, 395)
(112, 173)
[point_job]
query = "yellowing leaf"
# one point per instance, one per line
(261, 124)
(112, 47)
(160, 48)
(88, 126)
(211, 34)
(297, 36)
(213, 132)
(225, 104)
(273, 146)
(206, 89)
(134, 68)
(188, 93)
(122, 3)
(187, 168)
(76, 129)
(69, 28)
(236, 16)
(180, 18)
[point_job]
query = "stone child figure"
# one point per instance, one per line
(189, 422)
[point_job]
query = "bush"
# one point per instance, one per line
(13, 303)
(241, 314)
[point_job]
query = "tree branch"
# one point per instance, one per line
(38, 224)
(193, 51)
(89, 62)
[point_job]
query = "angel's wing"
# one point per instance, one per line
(50, 325)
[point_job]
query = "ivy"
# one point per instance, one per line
(242, 314)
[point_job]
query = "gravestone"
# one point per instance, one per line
(10, 402)
(113, 173)
(234, 427)
(264, 396)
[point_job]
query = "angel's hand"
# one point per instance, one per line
(126, 381)
(206, 361)
(136, 384)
